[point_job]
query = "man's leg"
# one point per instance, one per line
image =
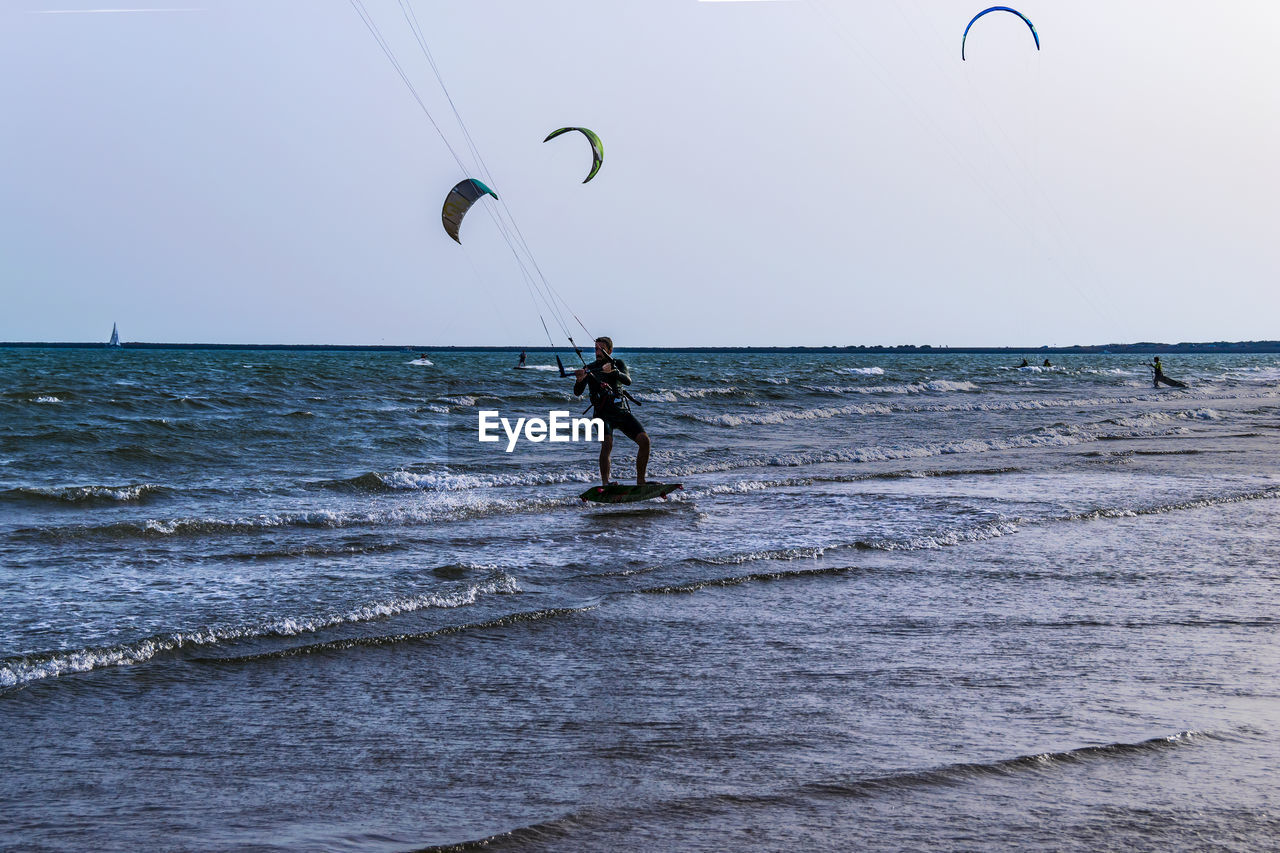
(642, 457)
(606, 447)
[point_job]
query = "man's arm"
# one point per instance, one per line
(620, 368)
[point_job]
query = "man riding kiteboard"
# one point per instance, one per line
(609, 402)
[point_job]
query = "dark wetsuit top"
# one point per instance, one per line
(607, 400)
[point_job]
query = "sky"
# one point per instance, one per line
(800, 172)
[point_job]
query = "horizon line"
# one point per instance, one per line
(1239, 346)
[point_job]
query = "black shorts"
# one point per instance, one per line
(620, 419)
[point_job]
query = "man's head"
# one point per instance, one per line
(604, 346)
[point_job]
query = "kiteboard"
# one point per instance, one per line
(617, 493)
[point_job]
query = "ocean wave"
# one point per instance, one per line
(861, 371)
(17, 671)
(1177, 506)
(779, 416)
(84, 495)
(432, 508)
(1148, 420)
(445, 481)
(952, 537)
(1043, 761)
(924, 542)
(932, 386)
(557, 833)
(1062, 436)
(672, 395)
(694, 586)
(396, 639)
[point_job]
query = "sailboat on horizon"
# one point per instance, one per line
(115, 336)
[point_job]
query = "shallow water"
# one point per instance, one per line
(287, 601)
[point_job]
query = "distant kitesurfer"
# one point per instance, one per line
(1047, 364)
(1025, 363)
(1157, 375)
(609, 403)
(523, 356)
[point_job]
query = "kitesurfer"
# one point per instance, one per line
(1025, 363)
(1158, 371)
(603, 378)
(1157, 375)
(1047, 364)
(523, 356)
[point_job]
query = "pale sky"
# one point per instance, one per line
(810, 172)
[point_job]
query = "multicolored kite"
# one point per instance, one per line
(459, 201)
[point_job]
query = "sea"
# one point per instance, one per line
(260, 600)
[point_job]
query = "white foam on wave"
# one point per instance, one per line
(421, 362)
(861, 371)
(77, 494)
(927, 542)
(47, 398)
(1154, 420)
(1160, 509)
(1267, 374)
(947, 538)
(948, 385)
(671, 395)
(432, 507)
(445, 481)
(37, 667)
(782, 554)
(1062, 436)
(779, 416)
(440, 481)
(936, 385)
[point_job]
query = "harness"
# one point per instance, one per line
(606, 394)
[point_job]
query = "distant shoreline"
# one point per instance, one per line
(1098, 349)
